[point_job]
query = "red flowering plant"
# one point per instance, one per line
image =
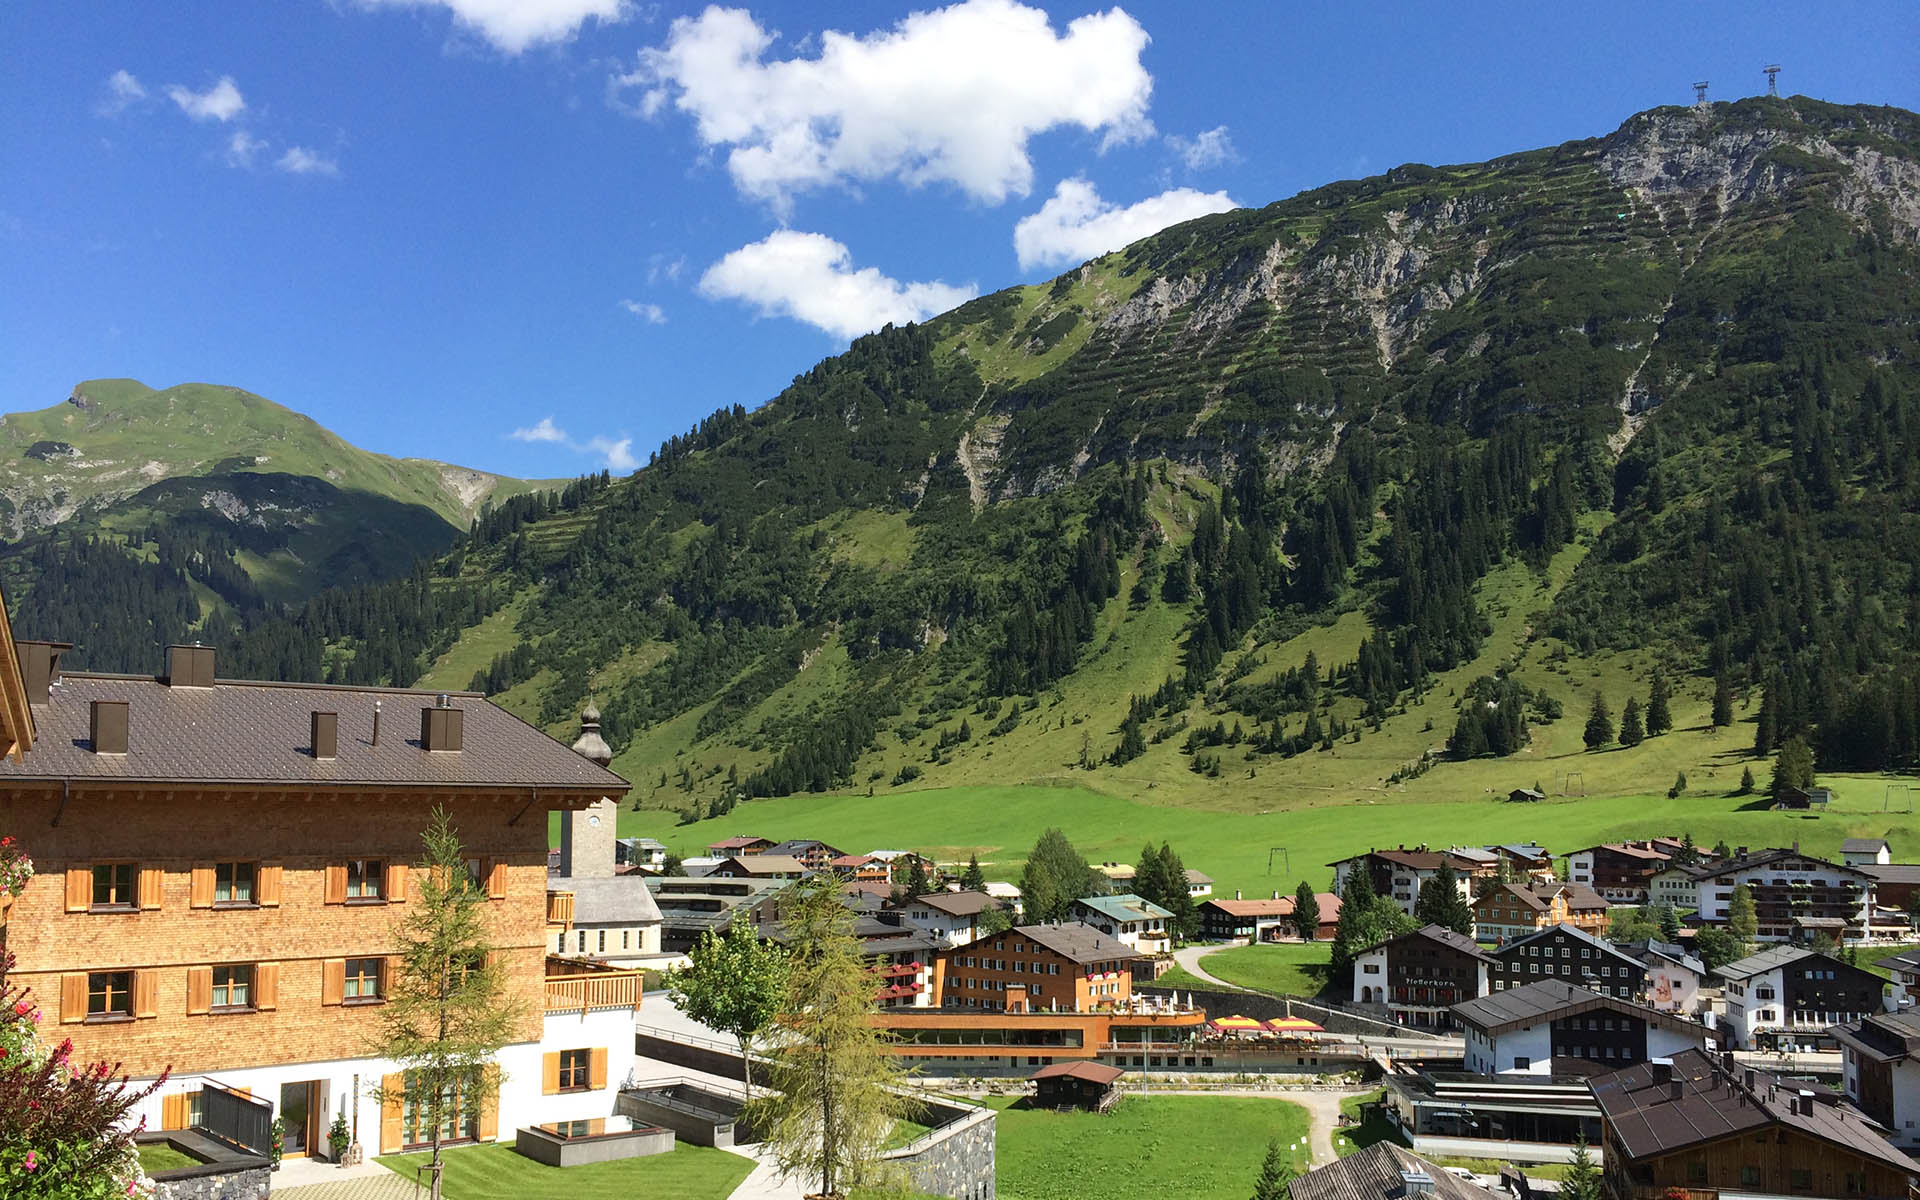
(64, 1128)
(15, 867)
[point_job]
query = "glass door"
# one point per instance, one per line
(296, 1114)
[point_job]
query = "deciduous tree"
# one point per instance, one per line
(733, 982)
(1055, 876)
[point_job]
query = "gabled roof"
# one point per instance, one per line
(615, 900)
(1073, 941)
(1512, 948)
(1539, 896)
(1885, 1037)
(1124, 907)
(1091, 1072)
(768, 864)
(958, 904)
(1441, 934)
(1899, 873)
(245, 732)
(1865, 845)
(1715, 1103)
(1194, 876)
(1906, 960)
(1767, 960)
(1631, 851)
(1646, 950)
(1761, 858)
(1328, 903)
(1551, 999)
(1379, 1173)
(738, 842)
(798, 846)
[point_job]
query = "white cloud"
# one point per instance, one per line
(1076, 224)
(953, 95)
(241, 148)
(515, 25)
(221, 102)
(616, 454)
(1210, 149)
(659, 267)
(652, 314)
(298, 160)
(123, 90)
(810, 277)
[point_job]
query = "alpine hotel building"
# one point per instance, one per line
(222, 865)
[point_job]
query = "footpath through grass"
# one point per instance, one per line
(498, 1172)
(1288, 968)
(1149, 1147)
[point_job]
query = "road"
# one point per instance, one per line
(1189, 959)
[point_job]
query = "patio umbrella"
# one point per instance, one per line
(1235, 1024)
(1294, 1025)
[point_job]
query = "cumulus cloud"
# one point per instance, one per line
(123, 90)
(1210, 149)
(221, 102)
(652, 314)
(810, 277)
(1076, 224)
(298, 160)
(513, 26)
(242, 147)
(948, 96)
(615, 453)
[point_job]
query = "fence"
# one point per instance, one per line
(236, 1118)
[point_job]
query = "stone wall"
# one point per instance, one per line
(1262, 1007)
(956, 1158)
(243, 1183)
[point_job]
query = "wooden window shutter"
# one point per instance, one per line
(266, 986)
(266, 888)
(151, 881)
(490, 1114)
(390, 968)
(597, 1067)
(73, 998)
(200, 886)
(336, 885)
(173, 1111)
(199, 990)
(497, 880)
(396, 889)
(549, 1072)
(146, 993)
(79, 888)
(333, 980)
(392, 1087)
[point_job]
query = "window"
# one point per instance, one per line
(476, 874)
(573, 1070)
(1521, 1062)
(109, 994)
(580, 941)
(363, 878)
(113, 885)
(459, 1119)
(603, 943)
(233, 882)
(1697, 1171)
(1800, 1177)
(232, 987)
(1749, 1176)
(362, 980)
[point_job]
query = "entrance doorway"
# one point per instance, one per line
(300, 1114)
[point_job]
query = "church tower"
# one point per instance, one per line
(587, 836)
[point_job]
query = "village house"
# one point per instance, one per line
(1385, 1171)
(766, 865)
(1881, 1071)
(1199, 883)
(1269, 920)
(738, 847)
(1866, 852)
(1398, 875)
(1702, 1126)
(953, 917)
(813, 855)
(1418, 977)
(1620, 871)
(1674, 975)
(1133, 922)
(1558, 1028)
(862, 868)
(1794, 895)
(1029, 968)
(690, 907)
(223, 870)
(1512, 910)
(1788, 996)
(1904, 970)
(1568, 955)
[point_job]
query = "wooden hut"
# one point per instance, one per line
(1087, 1085)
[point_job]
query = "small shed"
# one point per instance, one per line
(1525, 796)
(1087, 1085)
(1793, 799)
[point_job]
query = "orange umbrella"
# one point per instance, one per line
(1235, 1024)
(1294, 1025)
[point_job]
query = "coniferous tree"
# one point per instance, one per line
(1599, 731)
(1746, 782)
(1442, 903)
(1669, 923)
(1722, 701)
(1149, 876)
(1174, 896)
(918, 884)
(973, 879)
(1276, 1172)
(1742, 922)
(1632, 733)
(1659, 711)
(1306, 912)
(1792, 768)
(1582, 1180)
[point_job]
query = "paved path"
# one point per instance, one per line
(1189, 959)
(384, 1186)
(766, 1182)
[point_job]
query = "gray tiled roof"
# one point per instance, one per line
(1517, 1008)
(616, 900)
(1075, 942)
(1379, 1173)
(259, 733)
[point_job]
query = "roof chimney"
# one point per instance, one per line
(1236, 893)
(442, 728)
(190, 666)
(1662, 1069)
(107, 726)
(1748, 1079)
(1416, 1183)
(325, 737)
(1675, 1089)
(40, 668)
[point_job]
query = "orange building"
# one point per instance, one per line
(1064, 965)
(222, 869)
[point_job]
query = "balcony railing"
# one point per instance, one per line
(560, 908)
(585, 993)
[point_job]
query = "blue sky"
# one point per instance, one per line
(436, 224)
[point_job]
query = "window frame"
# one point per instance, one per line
(131, 902)
(373, 873)
(576, 1065)
(351, 979)
(246, 983)
(101, 983)
(232, 869)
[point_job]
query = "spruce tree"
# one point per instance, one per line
(1582, 1180)
(1669, 924)
(1599, 730)
(1659, 714)
(917, 882)
(1175, 897)
(1793, 768)
(1306, 912)
(1631, 731)
(1276, 1172)
(973, 879)
(1746, 782)
(1742, 922)
(1722, 701)
(1441, 902)
(1149, 877)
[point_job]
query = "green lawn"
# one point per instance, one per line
(1151, 1147)
(1290, 968)
(497, 1172)
(1869, 955)
(1359, 1137)
(161, 1157)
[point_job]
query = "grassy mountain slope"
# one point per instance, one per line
(1363, 496)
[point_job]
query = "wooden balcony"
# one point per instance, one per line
(591, 991)
(560, 909)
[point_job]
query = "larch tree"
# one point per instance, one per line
(834, 1098)
(448, 1011)
(735, 983)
